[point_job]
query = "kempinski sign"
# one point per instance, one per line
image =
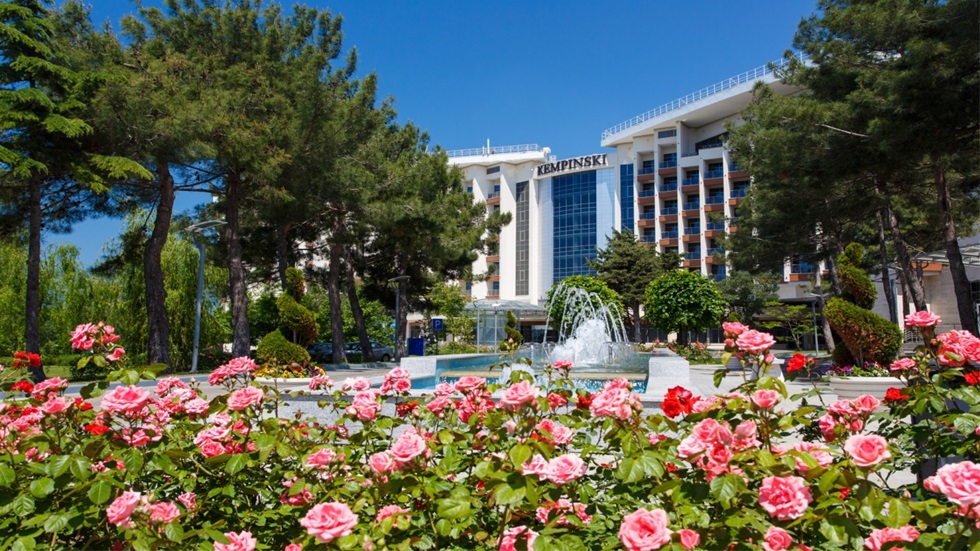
(575, 163)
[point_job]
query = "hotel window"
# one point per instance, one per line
(626, 197)
(574, 211)
(670, 159)
(523, 238)
(800, 266)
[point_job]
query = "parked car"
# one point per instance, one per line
(381, 352)
(321, 352)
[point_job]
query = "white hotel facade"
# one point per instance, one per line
(665, 175)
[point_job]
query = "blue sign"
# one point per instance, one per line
(437, 324)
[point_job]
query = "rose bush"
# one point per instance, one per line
(522, 465)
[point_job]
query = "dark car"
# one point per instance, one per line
(381, 352)
(321, 352)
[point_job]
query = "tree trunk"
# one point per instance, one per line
(886, 279)
(355, 309)
(32, 327)
(402, 319)
(236, 271)
(913, 281)
(333, 294)
(961, 283)
(158, 326)
(828, 333)
(637, 330)
(282, 251)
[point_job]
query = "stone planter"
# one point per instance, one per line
(286, 385)
(849, 388)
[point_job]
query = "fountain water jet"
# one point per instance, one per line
(590, 332)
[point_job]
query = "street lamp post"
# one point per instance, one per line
(397, 281)
(199, 230)
(813, 306)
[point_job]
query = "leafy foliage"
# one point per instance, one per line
(565, 311)
(748, 294)
(276, 351)
(683, 301)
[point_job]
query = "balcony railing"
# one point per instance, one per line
(716, 173)
(739, 192)
(719, 275)
(647, 170)
(692, 230)
(667, 188)
(669, 210)
(691, 181)
(669, 234)
(735, 167)
(493, 195)
(648, 216)
(714, 199)
(748, 76)
(694, 205)
(647, 193)
(716, 250)
(497, 149)
(668, 164)
(693, 255)
(715, 226)
(649, 238)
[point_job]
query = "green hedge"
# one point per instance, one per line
(867, 335)
(274, 349)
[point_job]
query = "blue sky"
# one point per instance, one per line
(517, 72)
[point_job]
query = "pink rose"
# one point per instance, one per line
(321, 458)
(122, 508)
(357, 384)
(959, 482)
(536, 466)
(866, 404)
(210, 448)
(294, 547)
(444, 389)
(765, 398)
(381, 463)
(54, 405)
(820, 454)
(564, 469)
(402, 385)
(242, 541)
(877, 538)
(777, 539)
(188, 500)
(125, 400)
(329, 521)
(408, 446)
(755, 342)
(117, 354)
(867, 450)
(733, 328)
(508, 542)
(519, 394)
(164, 512)
(784, 497)
(562, 364)
(365, 405)
(644, 530)
(903, 365)
(689, 538)
(245, 397)
(83, 337)
(390, 511)
(465, 384)
(922, 318)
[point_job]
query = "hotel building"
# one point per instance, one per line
(668, 178)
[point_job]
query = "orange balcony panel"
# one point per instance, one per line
(647, 243)
(493, 278)
(732, 229)
(709, 260)
(493, 296)
(646, 223)
(734, 201)
(738, 175)
(649, 200)
(714, 233)
(714, 182)
(493, 258)
(668, 218)
(672, 242)
(646, 178)
(670, 171)
(800, 277)
(692, 238)
(691, 188)
(692, 263)
(714, 207)
(494, 200)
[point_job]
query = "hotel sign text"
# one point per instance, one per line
(587, 161)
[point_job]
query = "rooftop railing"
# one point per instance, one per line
(717, 88)
(494, 150)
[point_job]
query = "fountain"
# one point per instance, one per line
(590, 333)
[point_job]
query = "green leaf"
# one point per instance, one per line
(100, 361)
(719, 376)
(453, 509)
(519, 454)
(57, 465)
(23, 505)
(630, 471)
(899, 514)
(7, 475)
(93, 390)
(173, 531)
(80, 467)
(42, 487)
(100, 492)
(23, 543)
(236, 463)
(504, 494)
(726, 487)
(56, 522)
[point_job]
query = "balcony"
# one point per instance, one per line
(694, 205)
(650, 215)
(739, 192)
(671, 234)
(668, 170)
(735, 172)
(646, 222)
(493, 258)
(719, 274)
(692, 230)
(646, 197)
(667, 188)
(712, 251)
(735, 201)
(691, 183)
(693, 255)
(692, 263)
(668, 163)
(714, 229)
(648, 238)
(672, 209)
(493, 198)
(495, 277)
(714, 203)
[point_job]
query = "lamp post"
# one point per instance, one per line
(199, 230)
(398, 301)
(813, 306)
(496, 341)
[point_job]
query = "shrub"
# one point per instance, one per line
(683, 301)
(276, 350)
(858, 287)
(868, 336)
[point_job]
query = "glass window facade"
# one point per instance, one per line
(523, 238)
(626, 196)
(574, 241)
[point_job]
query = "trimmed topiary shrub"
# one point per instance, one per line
(275, 350)
(867, 336)
(296, 321)
(514, 337)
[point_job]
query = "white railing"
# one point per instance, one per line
(493, 150)
(748, 76)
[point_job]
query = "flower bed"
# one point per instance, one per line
(542, 468)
